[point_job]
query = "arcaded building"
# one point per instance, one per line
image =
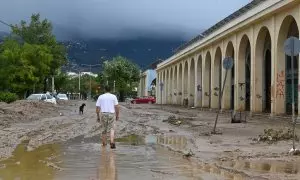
(261, 78)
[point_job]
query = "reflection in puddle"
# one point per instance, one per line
(107, 167)
(135, 158)
(175, 141)
(30, 165)
(132, 140)
(271, 166)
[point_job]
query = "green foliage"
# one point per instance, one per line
(8, 97)
(125, 73)
(40, 32)
(25, 66)
(61, 79)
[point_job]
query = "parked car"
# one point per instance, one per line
(42, 97)
(144, 99)
(62, 97)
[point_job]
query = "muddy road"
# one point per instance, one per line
(171, 143)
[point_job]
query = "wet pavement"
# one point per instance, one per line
(135, 158)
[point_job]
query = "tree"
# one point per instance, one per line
(39, 32)
(121, 70)
(22, 65)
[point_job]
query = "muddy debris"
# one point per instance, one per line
(294, 152)
(50, 164)
(272, 136)
(188, 154)
(25, 111)
(173, 120)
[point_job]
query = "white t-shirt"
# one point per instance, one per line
(107, 102)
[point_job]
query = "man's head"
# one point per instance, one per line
(107, 88)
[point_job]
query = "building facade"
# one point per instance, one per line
(260, 80)
(147, 83)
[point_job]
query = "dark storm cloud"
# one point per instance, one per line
(111, 19)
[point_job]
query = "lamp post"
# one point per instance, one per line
(91, 65)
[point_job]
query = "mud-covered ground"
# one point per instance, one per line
(235, 149)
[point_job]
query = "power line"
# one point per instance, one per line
(3, 22)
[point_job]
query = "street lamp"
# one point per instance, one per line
(91, 65)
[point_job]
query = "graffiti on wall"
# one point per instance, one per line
(280, 84)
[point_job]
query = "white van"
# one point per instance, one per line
(42, 97)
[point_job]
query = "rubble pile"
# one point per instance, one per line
(24, 111)
(272, 135)
(173, 120)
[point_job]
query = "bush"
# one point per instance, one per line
(8, 97)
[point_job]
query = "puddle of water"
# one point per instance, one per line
(29, 165)
(177, 142)
(132, 139)
(267, 166)
(86, 159)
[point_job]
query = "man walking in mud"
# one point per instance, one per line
(107, 109)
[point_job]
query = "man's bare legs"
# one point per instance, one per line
(104, 139)
(112, 137)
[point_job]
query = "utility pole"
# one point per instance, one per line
(79, 83)
(53, 88)
(91, 65)
(114, 86)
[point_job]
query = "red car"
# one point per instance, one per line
(142, 100)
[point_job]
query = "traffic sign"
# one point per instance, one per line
(292, 46)
(228, 63)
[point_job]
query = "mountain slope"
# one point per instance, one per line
(141, 51)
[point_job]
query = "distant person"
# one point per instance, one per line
(107, 109)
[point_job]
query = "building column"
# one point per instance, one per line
(204, 98)
(252, 73)
(236, 79)
(273, 65)
(214, 93)
(165, 87)
(182, 84)
(178, 84)
(157, 88)
(189, 90)
(196, 82)
(174, 86)
(169, 87)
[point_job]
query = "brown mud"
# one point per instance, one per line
(186, 131)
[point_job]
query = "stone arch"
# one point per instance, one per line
(192, 82)
(180, 76)
(288, 28)
(185, 80)
(244, 76)
(216, 89)
(263, 71)
(229, 98)
(207, 81)
(199, 82)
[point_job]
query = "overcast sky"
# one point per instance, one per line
(122, 18)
